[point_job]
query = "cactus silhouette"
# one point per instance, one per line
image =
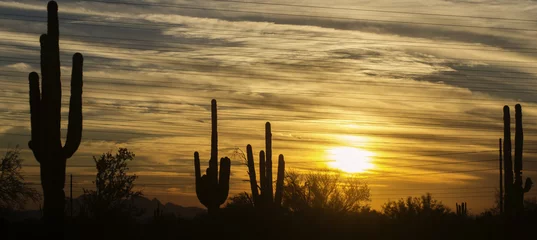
(265, 198)
(461, 209)
(157, 213)
(514, 191)
(45, 110)
(212, 189)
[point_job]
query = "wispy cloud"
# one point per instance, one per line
(323, 76)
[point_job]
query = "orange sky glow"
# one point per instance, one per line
(408, 103)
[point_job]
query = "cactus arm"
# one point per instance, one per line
(35, 113)
(51, 83)
(51, 92)
(518, 189)
(223, 184)
(268, 161)
(200, 183)
(528, 185)
(213, 162)
(197, 169)
(43, 57)
(43, 118)
(38, 120)
(53, 44)
(519, 139)
(251, 173)
(74, 129)
(508, 163)
(45, 76)
(262, 175)
(279, 181)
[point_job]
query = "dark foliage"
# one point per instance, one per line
(14, 191)
(114, 194)
(324, 192)
(424, 207)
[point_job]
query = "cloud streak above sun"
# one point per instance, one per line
(424, 92)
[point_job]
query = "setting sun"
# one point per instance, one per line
(349, 159)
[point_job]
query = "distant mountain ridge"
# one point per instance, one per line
(149, 206)
(169, 208)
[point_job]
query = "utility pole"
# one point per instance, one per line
(71, 195)
(501, 179)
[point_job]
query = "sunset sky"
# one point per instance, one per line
(415, 87)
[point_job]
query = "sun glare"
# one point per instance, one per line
(349, 159)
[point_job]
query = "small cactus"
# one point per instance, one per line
(514, 191)
(157, 213)
(212, 188)
(265, 198)
(461, 209)
(45, 110)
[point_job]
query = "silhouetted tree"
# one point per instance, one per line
(241, 200)
(495, 209)
(114, 192)
(14, 192)
(415, 207)
(324, 191)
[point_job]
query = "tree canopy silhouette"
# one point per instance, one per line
(241, 200)
(415, 207)
(14, 191)
(324, 191)
(114, 187)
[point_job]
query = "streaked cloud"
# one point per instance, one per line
(377, 80)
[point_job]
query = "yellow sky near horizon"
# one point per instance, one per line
(419, 86)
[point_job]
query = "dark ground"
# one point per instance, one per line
(252, 226)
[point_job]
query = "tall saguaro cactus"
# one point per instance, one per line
(45, 110)
(514, 191)
(212, 188)
(265, 198)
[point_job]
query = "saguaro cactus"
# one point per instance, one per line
(461, 209)
(514, 191)
(266, 198)
(45, 110)
(158, 213)
(212, 189)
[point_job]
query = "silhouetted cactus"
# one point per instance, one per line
(45, 110)
(157, 213)
(212, 190)
(461, 209)
(266, 198)
(514, 192)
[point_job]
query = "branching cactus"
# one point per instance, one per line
(265, 197)
(514, 191)
(212, 188)
(461, 209)
(45, 110)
